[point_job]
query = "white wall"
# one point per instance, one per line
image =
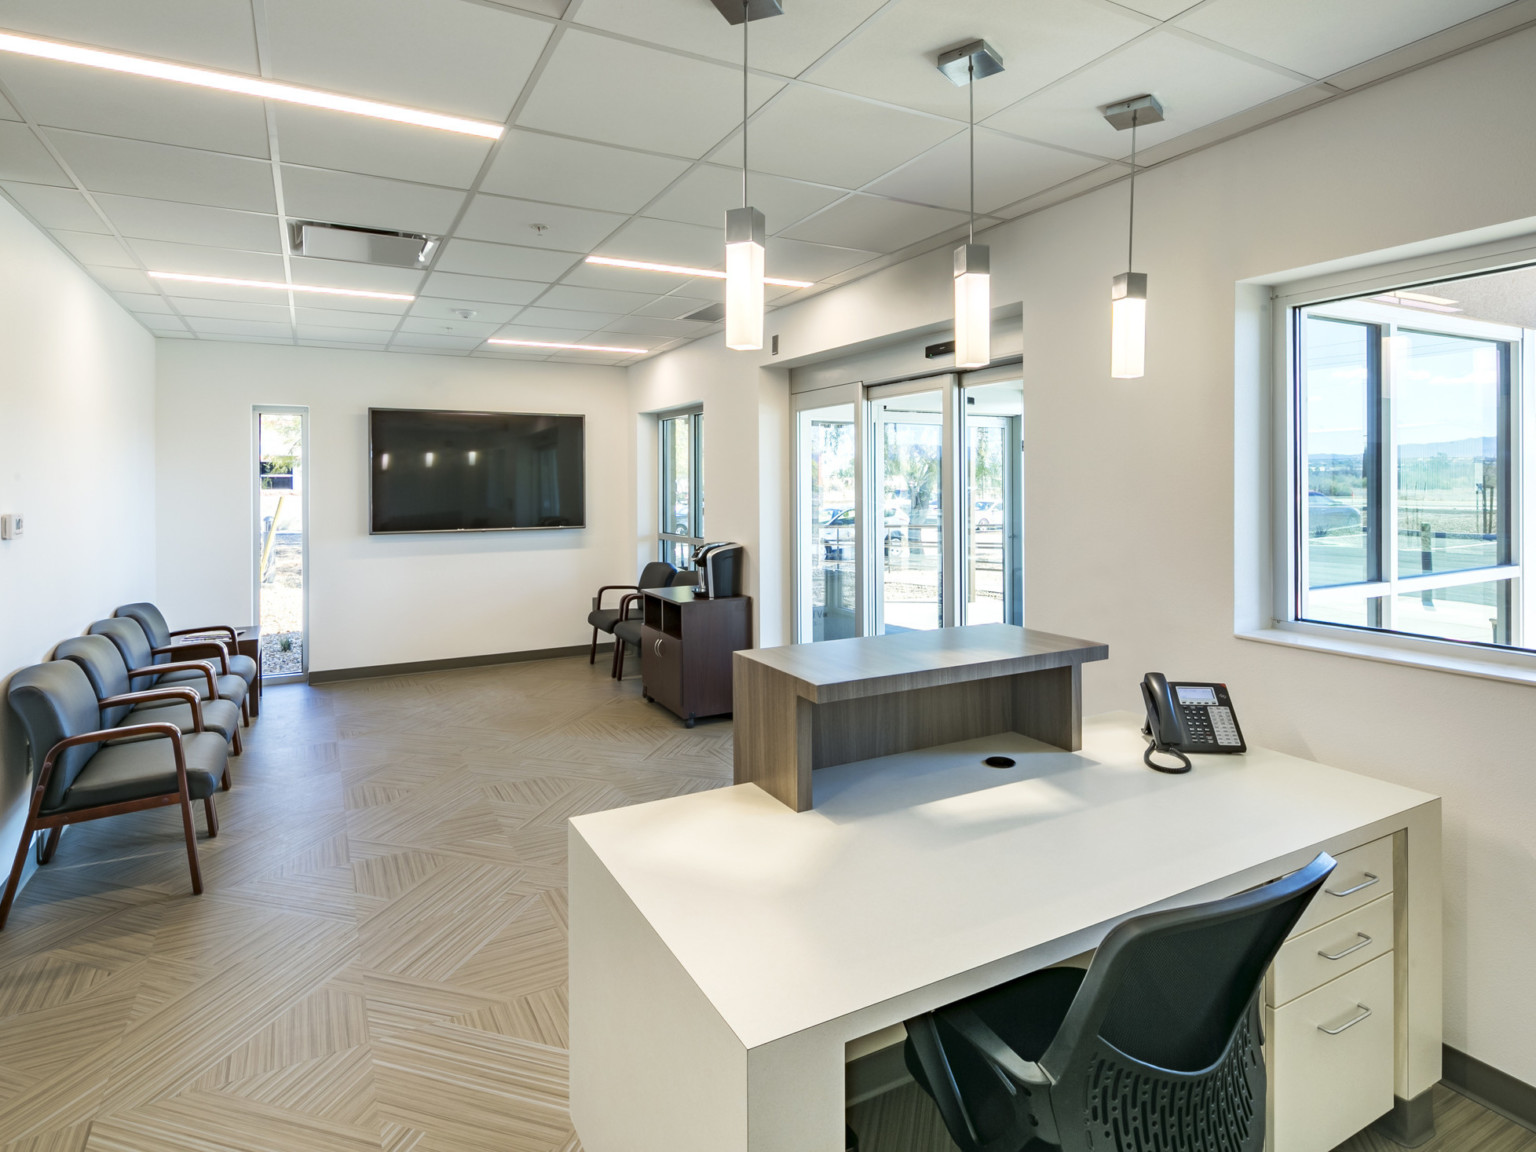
(379, 599)
(77, 445)
(1131, 522)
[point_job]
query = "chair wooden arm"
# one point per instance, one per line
(597, 601)
(102, 736)
(233, 635)
(624, 604)
(202, 666)
(186, 695)
(208, 648)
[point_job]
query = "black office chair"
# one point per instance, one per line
(656, 574)
(1156, 1048)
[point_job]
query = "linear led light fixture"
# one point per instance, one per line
(680, 270)
(244, 85)
(274, 285)
(568, 347)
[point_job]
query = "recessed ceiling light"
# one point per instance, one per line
(232, 283)
(678, 269)
(245, 85)
(569, 347)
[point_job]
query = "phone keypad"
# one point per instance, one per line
(1198, 725)
(1212, 727)
(1225, 727)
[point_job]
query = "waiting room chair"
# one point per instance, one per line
(1157, 1047)
(134, 647)
(85, 771)
(161, 641)
(626, 629)
(180, 705)
(656, 574)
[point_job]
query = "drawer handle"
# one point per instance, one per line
(1364, 940)
(658, 647)
(1364, 1012)
(1370, 878)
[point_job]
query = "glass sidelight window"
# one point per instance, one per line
(681, 511)
(906, 528)
(827, 528)
(281, 538)
(991, 511)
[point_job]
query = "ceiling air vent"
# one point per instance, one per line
(709, 313)
(362, 245)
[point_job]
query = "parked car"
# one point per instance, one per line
(837, 534)
(987, 513)
(1325, 515)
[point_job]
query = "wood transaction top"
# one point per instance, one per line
(876, 665)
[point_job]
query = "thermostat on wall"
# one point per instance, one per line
(11, 525)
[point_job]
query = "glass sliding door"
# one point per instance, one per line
(281, 540)
(905, 535)
(827, 526)
(992, 507)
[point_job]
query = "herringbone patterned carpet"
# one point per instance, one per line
(378, 961)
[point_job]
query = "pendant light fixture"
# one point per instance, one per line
(746, 235)
(973, 262)
(1128, 293)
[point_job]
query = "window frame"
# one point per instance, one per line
(1286, 566)
(665, 500)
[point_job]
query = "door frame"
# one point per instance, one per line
(257, 412)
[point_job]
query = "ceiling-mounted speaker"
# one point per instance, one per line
(361, 245)
(756, 9)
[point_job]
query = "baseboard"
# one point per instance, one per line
(1494, 1089)
(332, 675)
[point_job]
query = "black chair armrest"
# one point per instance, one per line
(185, 695)
(198, 649)
(202, 666)
(102, 736)
(597, 601)
(988, 1042)
(233, 635)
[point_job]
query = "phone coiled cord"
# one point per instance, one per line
(1152, 747)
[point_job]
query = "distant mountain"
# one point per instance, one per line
(1476, 447)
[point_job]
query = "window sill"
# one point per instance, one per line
(1509, 672)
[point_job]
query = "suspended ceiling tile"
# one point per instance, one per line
(797, 260)
(144, 302)
(23, 158)
(167, 256)
(543, 333)
(210, 33)
(121, 279)
(439, 55)
(566, 318)
(536, 225)
(364, 311)
(853, 142)
(478, 258)
(621, 93)
(673, 307)
(874, 224)
(656, 326)
(556, 170)
(61, 95)
(94, 248)
(1320, 37)
(346, 274)
(479, 329)
(162, 325)
(343, 345)
(6, 111)
(215, 327)
(1159, 9)
(143, 219)
(432, 308)
(622, 279)
(231, 310)
(786, 44)
(1197, 84)
(702, 197)
(1077, 186)
(162, 172)
(1498, 22)
(667, 242)
(440, 342)
(334, 140)
(593, 299)
(1007, 170)
(1238, 123)
(491, 289)
(56, 207)
(555, 8)
(360, 337)
(368, 201)
(896, 57)
(345, 318)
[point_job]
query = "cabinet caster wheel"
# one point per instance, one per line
(688, 723)
(646, 696)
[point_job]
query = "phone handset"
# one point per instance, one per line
(1164, 729)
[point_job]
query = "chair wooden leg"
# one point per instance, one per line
(213, 816)
(15, 880)
(190, 830)
(239, 745)
(593, 658)
(622, 646)
(51, 845)
(225, 782)
(245, 713)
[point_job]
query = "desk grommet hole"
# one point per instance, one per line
(1000, 762)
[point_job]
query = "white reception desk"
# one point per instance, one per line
(725, 950)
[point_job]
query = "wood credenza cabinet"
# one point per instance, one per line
(686, 643)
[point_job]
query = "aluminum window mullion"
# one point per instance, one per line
(1387, 355)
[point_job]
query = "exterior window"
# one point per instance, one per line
(1407, 507)
(681, 514)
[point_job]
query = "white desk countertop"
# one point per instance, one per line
(914, 867)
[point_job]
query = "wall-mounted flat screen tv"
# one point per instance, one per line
(475, 471)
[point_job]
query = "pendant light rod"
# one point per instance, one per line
(746, 23)
(970, 67)
(1130, 232)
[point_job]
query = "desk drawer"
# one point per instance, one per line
(1328, 951)
(1364, 874)
(1328, 1085)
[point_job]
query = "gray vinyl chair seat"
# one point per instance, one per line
(131, 769)
(603, 619)
(628, 630)
(219, 716)
(155, 627)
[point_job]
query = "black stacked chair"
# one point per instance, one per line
(626, 628)
(134, 647)
(85, 771)
(656, 574)
(174, 704)
(1157, 1047)
(161, 641)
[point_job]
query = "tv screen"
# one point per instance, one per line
(475, 471)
